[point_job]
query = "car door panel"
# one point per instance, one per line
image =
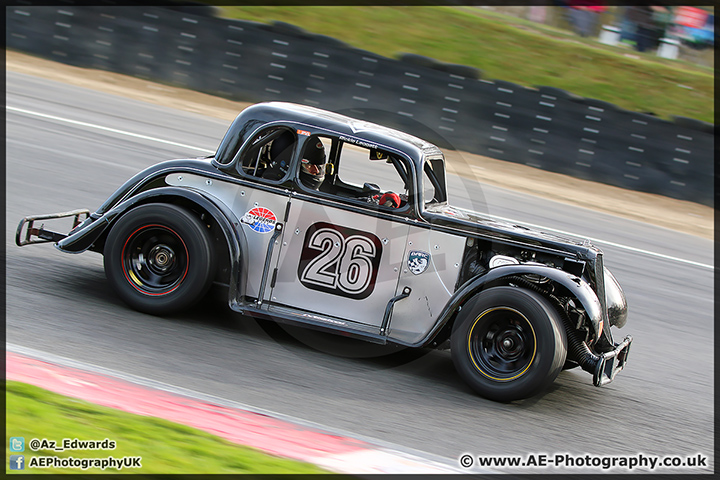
(338, 262)
(431, 265)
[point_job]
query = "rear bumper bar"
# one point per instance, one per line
(27, 233)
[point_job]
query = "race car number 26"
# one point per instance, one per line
(339, 260)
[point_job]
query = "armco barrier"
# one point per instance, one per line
(451, 105)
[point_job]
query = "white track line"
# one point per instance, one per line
(167, 142)
(106, 129)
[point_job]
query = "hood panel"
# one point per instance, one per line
(477, 224)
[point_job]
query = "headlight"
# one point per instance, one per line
(615, 300)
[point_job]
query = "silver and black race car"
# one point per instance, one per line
(317, 219)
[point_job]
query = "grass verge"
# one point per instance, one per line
(165, 447)
(529, 57)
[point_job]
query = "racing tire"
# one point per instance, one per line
(159, 258)
(508, 343)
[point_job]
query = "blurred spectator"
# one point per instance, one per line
(584, 16)
(701, 38)
(650, 22)
(628, 28)
(694, 26)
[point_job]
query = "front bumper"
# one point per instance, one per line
(611, 363)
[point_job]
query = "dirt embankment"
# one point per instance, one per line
(687, 217)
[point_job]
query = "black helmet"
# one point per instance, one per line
(312, 168)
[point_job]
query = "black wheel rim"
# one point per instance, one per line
(502, 344)
(155, 260)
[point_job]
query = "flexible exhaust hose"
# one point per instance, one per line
(578, 350)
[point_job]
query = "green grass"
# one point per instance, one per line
(510, 49)
(165, 447)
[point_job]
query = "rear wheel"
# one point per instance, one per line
(159, 258)
(508, 343)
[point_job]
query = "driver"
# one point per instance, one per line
(312, 166)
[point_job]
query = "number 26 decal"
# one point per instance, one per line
(339, 260)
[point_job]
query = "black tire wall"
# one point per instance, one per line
(543, 127)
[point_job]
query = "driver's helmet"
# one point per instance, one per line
(312, 166)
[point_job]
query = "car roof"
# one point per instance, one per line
(352, 130)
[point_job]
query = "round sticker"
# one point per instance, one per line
(260, 220)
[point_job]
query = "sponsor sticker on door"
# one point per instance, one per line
(418, 261)
(260, 220)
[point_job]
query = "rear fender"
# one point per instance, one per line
(576, 286)
(87, 235)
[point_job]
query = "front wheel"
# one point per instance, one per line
(159, 258)
(508, 343)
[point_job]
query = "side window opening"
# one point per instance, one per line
(269, 153)
(372, 177)
(361, 175)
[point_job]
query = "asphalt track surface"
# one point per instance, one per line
(69, 147)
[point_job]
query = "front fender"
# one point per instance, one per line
(90, 233)
(574, 284)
